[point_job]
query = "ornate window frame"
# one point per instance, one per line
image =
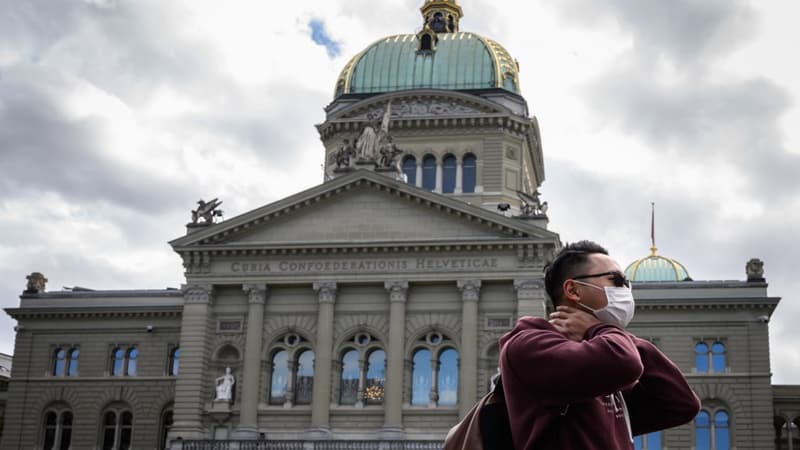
(365, 344)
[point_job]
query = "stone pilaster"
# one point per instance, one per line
(189, 389)
(393, 402)
(468, 359)
(531, 298)
(248, 417)
(321, 400)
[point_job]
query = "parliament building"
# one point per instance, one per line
(364, 313)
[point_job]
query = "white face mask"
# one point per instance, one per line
(620, 307)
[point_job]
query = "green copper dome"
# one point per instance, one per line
(656, 268)
(427, 60)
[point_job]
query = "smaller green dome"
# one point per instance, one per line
(656, 268)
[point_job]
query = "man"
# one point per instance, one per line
(579, 381)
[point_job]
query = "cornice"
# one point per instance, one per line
(684, 304)
(105, 312)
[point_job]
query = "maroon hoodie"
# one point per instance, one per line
(545, 374)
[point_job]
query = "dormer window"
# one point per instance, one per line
(426, 40)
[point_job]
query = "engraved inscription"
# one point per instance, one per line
(364, 266)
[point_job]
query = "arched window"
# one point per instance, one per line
(701, 357)
(59, 356)
(166, 425)
(348, 390)
(702, 431)
(117, 429)
(469, 173)
(123, 361)
(132, 355)
(363, 372)
(718, 357)
(280, 378)
(410, 170)
(434, 373)
(304, 381)
(292, 374)
(376, 378)
(448, 377)
(421, 376)
(72, 363)
(117, 362)
(722, 437)
(429, 172)
(57, 429)
(426, 42)
(712, 435)
(649, 441)
(449, 174)
(174, 361)
(710, 358)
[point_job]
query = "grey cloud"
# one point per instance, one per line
(683, 30)
(44, 150)
(121, 47)
(703, 121)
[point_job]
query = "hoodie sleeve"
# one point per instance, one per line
(662, 398)
(560, 370)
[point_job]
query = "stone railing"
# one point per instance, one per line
(305, 445)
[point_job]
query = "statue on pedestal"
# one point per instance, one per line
(224, 386)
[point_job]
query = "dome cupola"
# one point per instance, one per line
(439, 56)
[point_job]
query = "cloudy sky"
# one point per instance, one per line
(116, 116)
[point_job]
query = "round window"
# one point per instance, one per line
(363, 339)
(434, 338)
(291, 339)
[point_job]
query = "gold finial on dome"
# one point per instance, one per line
(442, 16)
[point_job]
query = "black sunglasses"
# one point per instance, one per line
(619, 278)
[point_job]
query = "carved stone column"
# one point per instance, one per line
(433, 395)
(248, 417)
(459, 176)
(190, 394)
(419, 174)
(468, 359)
(393, 407)
(531, 298)
(321, 400)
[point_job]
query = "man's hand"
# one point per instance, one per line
(572, 322)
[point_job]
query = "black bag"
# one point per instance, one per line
(485, 426)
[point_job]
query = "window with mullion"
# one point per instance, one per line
(712, 434)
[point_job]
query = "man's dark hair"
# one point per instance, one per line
(569, 262)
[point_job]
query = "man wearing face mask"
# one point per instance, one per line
(579, 380)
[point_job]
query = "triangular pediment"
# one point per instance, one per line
(363, 208)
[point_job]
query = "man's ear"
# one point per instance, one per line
(570, 292)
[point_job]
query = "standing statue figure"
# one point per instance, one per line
(369, 142)
(225, 385)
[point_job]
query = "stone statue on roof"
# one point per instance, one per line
(372, 136)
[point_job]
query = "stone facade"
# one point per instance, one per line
(365, 312)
